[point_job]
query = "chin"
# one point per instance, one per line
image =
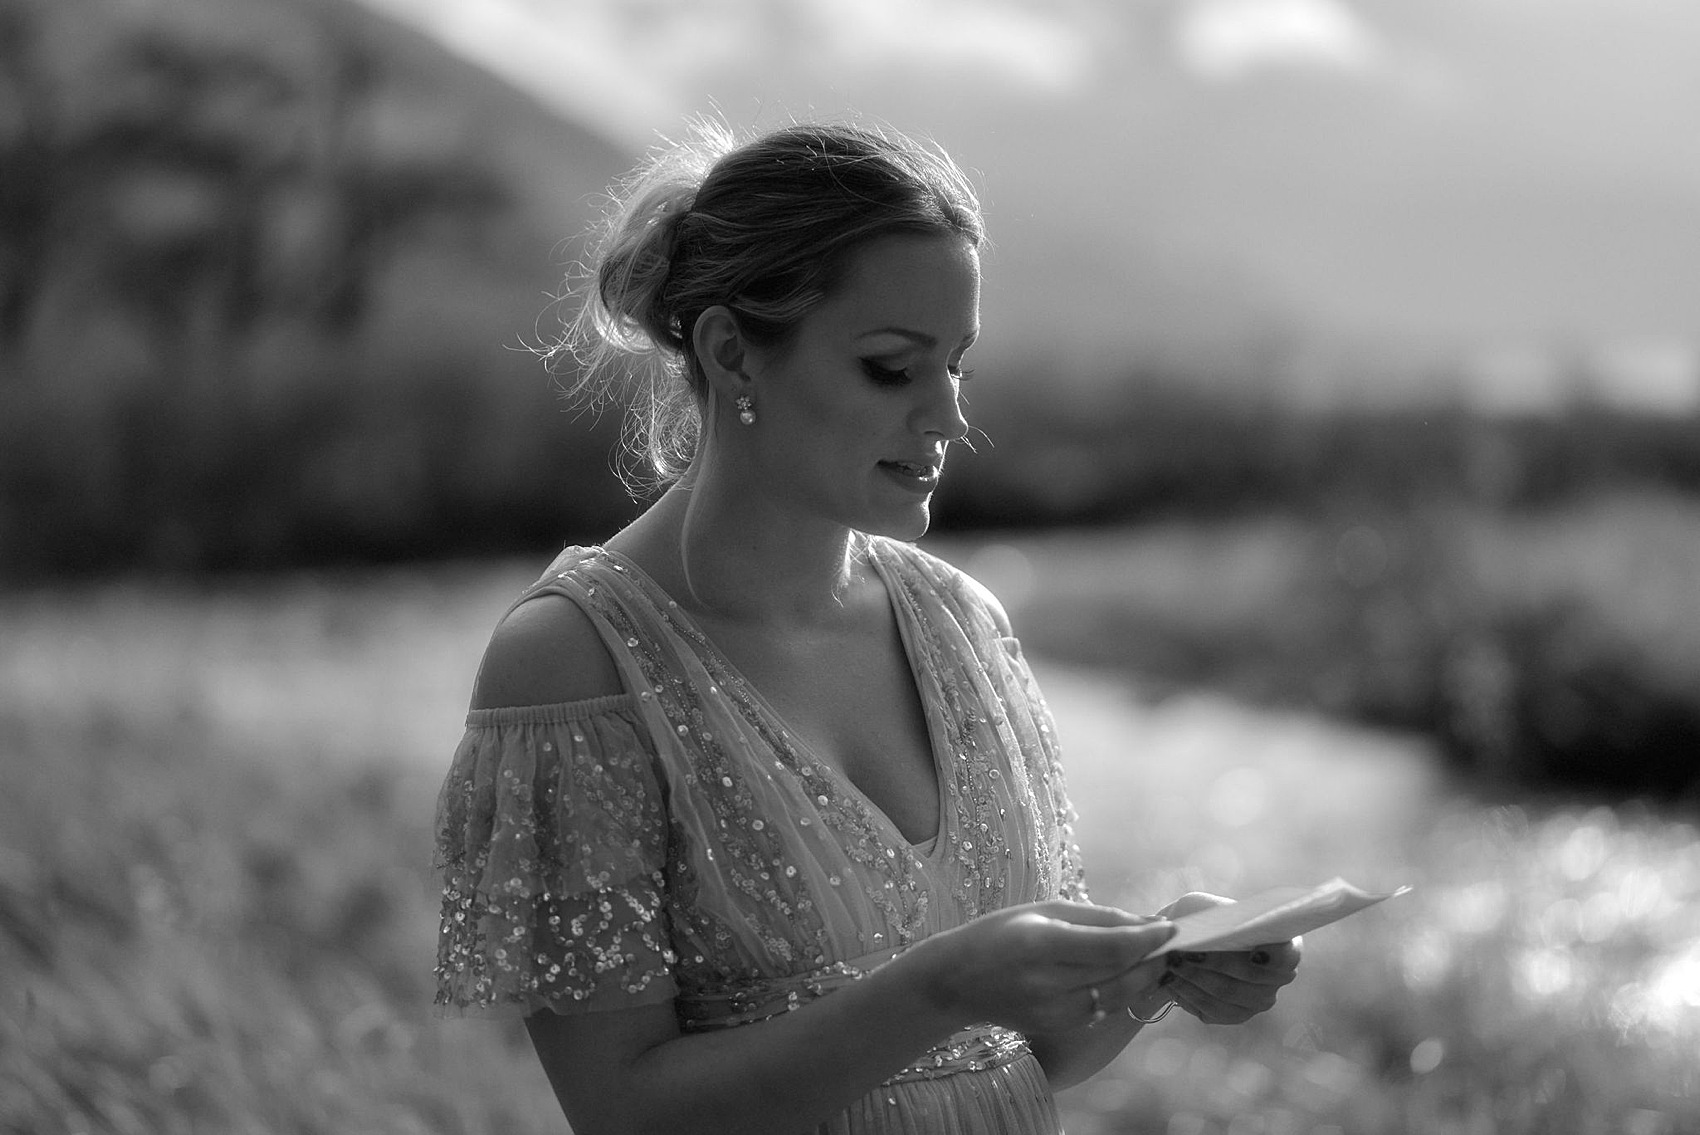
(908, 526)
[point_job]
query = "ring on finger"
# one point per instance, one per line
(1154, 1018)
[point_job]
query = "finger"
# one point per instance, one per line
(1218, 1004)
(1192, 902)
(1280, 955)
(1105, 951)
(1272, 957)
(1090, 914)
(1141, 977)
(1240, 966)
(1133, 985)
(1231, 990)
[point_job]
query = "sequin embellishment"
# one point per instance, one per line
(636, 849)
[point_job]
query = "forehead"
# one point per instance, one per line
(925, 284)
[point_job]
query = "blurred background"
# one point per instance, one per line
(1342, 368)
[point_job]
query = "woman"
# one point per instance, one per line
(758, 818)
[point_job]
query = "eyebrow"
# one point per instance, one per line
(919, 337)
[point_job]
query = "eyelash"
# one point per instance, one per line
(884, 376)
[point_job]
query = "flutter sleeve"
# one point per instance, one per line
(551, 838)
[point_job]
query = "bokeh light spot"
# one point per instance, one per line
(1546, 973)
(1600, 918)
(1561, 922)
(1642, 894)
(1333, 1073)
(1676, 986)
(1582, 853)
(1477, 908)
(1426, 959)
(1427, 1055)
(1249, 1079)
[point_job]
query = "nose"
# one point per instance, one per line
(941, 412)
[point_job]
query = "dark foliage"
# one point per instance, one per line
(1158, 445)
(209, 357)
(1426, 621)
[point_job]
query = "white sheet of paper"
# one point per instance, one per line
(1273, 916)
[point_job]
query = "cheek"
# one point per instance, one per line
(851, 409)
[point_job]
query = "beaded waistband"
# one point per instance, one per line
(973, 1049)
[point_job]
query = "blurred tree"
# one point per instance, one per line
(186, 200)
(220, 211)
(239, 192)
(27, 185)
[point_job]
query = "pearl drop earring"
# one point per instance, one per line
(746, 410)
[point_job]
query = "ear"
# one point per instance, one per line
(721, 350)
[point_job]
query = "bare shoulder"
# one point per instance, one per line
(546, 651)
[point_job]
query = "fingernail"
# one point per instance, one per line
(1260, 957)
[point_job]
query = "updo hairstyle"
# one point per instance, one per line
(764, 228)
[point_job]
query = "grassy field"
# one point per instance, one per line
(216, 907)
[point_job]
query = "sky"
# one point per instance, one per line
(634, 64)
(1486, 179)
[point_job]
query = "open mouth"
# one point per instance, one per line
(919, 473)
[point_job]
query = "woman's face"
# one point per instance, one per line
(855, 412)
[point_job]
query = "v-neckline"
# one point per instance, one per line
(796, 742)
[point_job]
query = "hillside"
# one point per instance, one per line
(552, 170)
(274, 265)
(272, 262)
(1212, 178)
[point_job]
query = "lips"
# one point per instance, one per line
(920, 470)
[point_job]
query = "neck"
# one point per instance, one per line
(732, 558)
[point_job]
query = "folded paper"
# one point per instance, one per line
(1273, 916)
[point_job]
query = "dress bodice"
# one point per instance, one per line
(679, 841)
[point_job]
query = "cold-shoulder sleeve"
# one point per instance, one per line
(551, 838)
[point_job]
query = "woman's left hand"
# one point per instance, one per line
(1226, 987)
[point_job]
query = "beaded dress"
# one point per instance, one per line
(677, 842)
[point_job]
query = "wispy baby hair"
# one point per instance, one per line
(763, 227)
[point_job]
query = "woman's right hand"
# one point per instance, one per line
(1035, 968)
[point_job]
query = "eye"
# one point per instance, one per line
(884, 376)
(887, 376)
